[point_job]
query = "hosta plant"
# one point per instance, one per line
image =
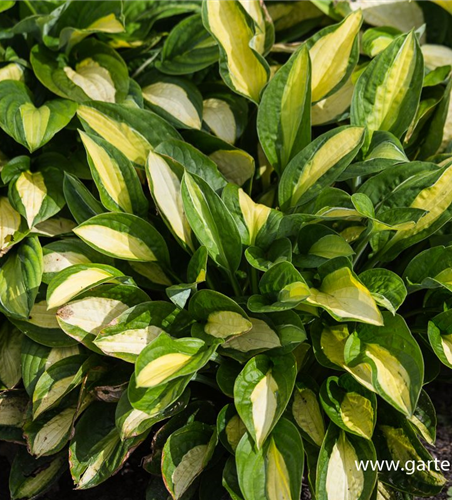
(226, 241)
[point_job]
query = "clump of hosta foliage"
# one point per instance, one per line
(225, 236)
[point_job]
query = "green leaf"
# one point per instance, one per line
(283, 120)
(81, 203)
(274, 470)
(211, 222)
(261, 393)
(386, 287)
(188, 48)
(30, 126)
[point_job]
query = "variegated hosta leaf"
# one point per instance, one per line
(185, 455)
(211, 222)
(128, 334)
(188, 48)
(176, 99)
(440, 337)
(335, 107)
(337, 473)
(20, 277)
(58, 380)
(281, 288)
(62, 254)
(132, 422)
(257, 224)
(98, 73)
(50, 432)
(230, 428)
(433, 193)
(30, 126)
(115, 177)
(265, 33)
(13, 406)
(241, 66)
(436, 56)
(395, 13)
(96, 449)
(135, 132)
(388, 91)
(319, 164)
(262, 391)
(10, 350)
(293, 19)
(218, 315)
(346, 298)
(42, 326)
(10, 225)
(79, 21)
(273, 472)
(37, 195)
(32, 477)
(12, 71)
(76, 279)
(395, 439)
(164, 177)
(83, 318)
(349, 405)
(193, 160)
(390, 365)
(220, 118)
(124, 236)
(165, 359)
(306, 411)
(283, 120)
(236, 165)
(334, 52)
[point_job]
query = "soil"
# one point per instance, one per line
(131, 482)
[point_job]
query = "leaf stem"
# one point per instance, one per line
(235, 284)
(30, 6)
(202, 379)
(254, 280)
